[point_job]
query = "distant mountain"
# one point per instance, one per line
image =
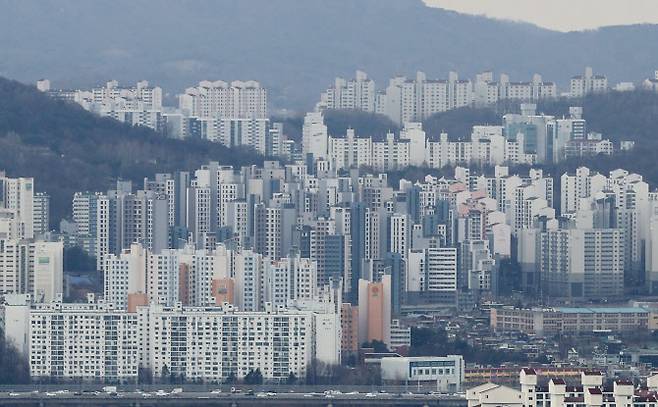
(295, 47)
(67, 149)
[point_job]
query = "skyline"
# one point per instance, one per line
(321, 203)
(609, 12)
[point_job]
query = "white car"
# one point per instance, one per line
(371, 395)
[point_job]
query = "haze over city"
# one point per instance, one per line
(561, 15)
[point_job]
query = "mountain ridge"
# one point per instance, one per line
(296, 48)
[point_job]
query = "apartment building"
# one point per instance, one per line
(237, 99)
(96, 341)
(573, 320)
(32, 267)
(139, 105)
(587, 83)
(352, 94)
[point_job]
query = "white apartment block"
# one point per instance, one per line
(82, 341)
(214, 343)
(251, 132)
(315, 138)
(139, 276)
(95, 341)
(235, 100)
(125, 274)
(408, 100)
(619, 200)
(413, 100)
(32, 267)
(582, 184)
(582, 263)
(399, 233)
(582, 85)
(486, 91)
(140, 105)
(85, 213)
(433, 269)
(391, 153)
(350, 151)
(17, 207)
(121, 219)
(354, 94)
(290, 279)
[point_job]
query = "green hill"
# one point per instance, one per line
(67, 149)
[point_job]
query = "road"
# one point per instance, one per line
(250, 398)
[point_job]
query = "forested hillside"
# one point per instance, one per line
(67, 149)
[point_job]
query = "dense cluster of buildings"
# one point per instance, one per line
(339, 257)
(233, 114)
(212, 274)
(97, 341)
(526, 138)
(414, 100)
(236, 114)
(140, 105)
(28, 263)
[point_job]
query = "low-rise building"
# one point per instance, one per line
(571, 320)
(446, 371)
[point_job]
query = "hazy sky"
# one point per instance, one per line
(562, 15)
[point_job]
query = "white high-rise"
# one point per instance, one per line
(237, 100)
(582, 85)
(17, 197)
(29, 267)
(315, 138)
(354, 94)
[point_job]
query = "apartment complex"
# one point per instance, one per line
(523, 139)
(238, 99)
(587, 83)
(415, 99)
(139, 105)
(96, 341)
(574, 320)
